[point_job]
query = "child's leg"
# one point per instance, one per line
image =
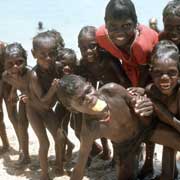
(3, 133)
(168, 164)
(23, 135)
(106, 150)
(147, 168)
(39, 128)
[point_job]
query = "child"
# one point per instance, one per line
(98, 65)
(125, 39)
(107, 114)
(132, 44)
(66, 61)
(171, 21)
(164, 93)
(10, 98)
(38, 112)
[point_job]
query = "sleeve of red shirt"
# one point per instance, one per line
(143, 45)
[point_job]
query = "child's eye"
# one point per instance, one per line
(92, 46)
(157, 73)
(19, 62)
(127, 26)
(172, 73)
(81, 100)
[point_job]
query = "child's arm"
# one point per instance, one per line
(166, 116)
(160, 110)
(13, 98)
(144, 75)
(48, 99)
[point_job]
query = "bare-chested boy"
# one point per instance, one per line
(107, 114)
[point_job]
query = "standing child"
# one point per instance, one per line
(10, 98)
(99, 68)
(132, 44)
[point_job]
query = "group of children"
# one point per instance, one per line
(121, 51)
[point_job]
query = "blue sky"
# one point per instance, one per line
(19, 18)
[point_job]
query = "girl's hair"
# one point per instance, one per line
(48, 34)
(66, 51)
(87, 30)
(163, 50)
(15, 49)
(172, 9)
(117, 9)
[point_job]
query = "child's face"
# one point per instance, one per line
(121, 32)
(85, 99)
(88, 47)
(165, 75)
(14, 65)
(67, 64)
(45, 54)
(172, 28)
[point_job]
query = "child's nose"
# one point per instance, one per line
(165, 76)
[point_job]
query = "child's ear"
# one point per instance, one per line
(33, 53)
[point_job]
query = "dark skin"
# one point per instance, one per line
(111, 123)
(98, 69)
(172, 29)
(43, 77)
(122, 32)
(97, 65)
(164, 93)
(159, 93)
(171, 32)
(9, 96)
(38, 112)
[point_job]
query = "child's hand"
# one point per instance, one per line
(135, 91)
(23, 98)
(55, 83)
(13, 98)
(143, 106)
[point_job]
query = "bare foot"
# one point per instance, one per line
(105, 155)
(58, 171)
(23, 160)
(69, 152)
(147, 170)
(4, 149)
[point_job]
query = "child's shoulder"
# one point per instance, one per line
(146, 37)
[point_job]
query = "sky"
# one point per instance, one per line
(19, 18)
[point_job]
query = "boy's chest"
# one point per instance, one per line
(172, 103)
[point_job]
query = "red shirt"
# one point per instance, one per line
(140, 50)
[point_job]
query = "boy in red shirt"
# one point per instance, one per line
(125, 39)
(132, 44)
